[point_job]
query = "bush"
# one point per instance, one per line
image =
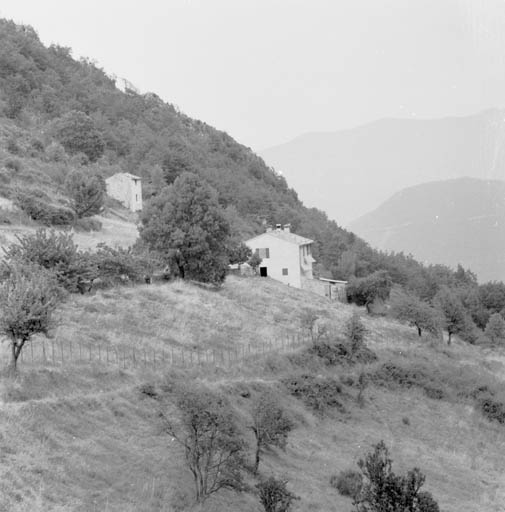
(406, 377)
(338, 351)
(317, 393)
(383, 490)
(114, 266)
(274, 495)
(13, 164)
(38, 210)
(348, 483)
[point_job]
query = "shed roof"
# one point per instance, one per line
(127, 174)
(286, 236)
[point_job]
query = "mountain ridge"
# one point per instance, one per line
(367, 164)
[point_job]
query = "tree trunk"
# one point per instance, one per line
(419, 331)
(257, 458)
(449, 337)
(16, 347)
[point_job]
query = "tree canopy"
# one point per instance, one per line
(186, 225)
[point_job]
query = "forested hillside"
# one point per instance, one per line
(58, 115)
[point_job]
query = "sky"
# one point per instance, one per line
(266, 71)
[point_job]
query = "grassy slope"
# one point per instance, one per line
(84, 438)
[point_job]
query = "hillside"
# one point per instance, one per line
(86, 437)
(455, 221)
(351, 172)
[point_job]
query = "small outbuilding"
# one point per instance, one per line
(127, 189)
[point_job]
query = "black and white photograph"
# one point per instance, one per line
(252, 256)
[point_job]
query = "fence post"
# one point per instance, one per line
(90, 352)
(154, 359)
(71, 354)
(61, 348)
(54, 358)
(31, 348)
(44, 350)
(133, 357)
(80, 351)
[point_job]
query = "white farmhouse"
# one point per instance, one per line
(286, 257)
(127, 189)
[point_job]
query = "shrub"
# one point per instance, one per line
(55, 252)
(406, 377)
(355, 332)
(37, 209)
(114, 265)
(207, 429)
(274, 495)
(55, 152)
(13, 164)
(383, 490)
(317, 393)
(348, 483)
(338, 351)
(492, 409)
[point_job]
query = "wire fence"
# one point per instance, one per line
(59, 353)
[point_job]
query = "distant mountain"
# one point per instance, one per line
(350, 172)
(451, 222)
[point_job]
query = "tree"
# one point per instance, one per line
(271, 425)
(208, 432)
(383, 490)
(55, 252)
(186, 225)
(28, 298)
(365, 291)
(254, 262)
(238, 253)
(274, 495)
(87, 193)
(495, 328)
(417, 313)
(77, 133)
(452, 310)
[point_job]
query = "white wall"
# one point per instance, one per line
(282, 255)
(126, 190)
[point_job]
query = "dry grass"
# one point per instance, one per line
(84, 438)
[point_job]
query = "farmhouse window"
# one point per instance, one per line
(263, 253)
(284, 271)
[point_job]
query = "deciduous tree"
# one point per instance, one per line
(207, 430)
(186, 225)
(28, 298)
(86, 192)
(365, 291)
(271, 425)
(417, 313)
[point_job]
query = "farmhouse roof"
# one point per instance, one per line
(287, 237)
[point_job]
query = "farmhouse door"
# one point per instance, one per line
(263, 271)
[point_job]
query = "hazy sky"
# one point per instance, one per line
(268, 70)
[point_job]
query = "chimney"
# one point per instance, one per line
(269, 230)
(287, 228)
(278, 227)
